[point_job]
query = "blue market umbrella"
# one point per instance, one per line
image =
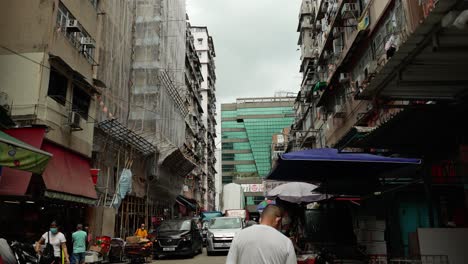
(339, 172)
(264, 204)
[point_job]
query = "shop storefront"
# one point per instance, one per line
(61, 191)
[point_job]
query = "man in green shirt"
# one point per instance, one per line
(79, 245)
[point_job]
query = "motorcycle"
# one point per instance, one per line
(24, 253)
(18, 253)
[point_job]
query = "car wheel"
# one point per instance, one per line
(191, 254)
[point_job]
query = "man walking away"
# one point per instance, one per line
(263, 243)
(79, 245)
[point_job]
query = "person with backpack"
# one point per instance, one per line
(54, 242)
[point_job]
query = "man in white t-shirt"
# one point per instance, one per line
(263, 243)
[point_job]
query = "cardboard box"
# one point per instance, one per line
(364, 235)
(133, 239)
(91, 257)
(372, 224)
(95, 249)
(375, 248)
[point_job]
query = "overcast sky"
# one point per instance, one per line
(255, 43)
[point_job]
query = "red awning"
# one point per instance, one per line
(15, 182)
(68, 172)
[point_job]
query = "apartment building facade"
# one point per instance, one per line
(101, 87)
(195, 130)
(386, 77)
(204, 46)
(247, 127)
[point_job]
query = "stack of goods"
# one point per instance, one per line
(370, 233)
(138, 246)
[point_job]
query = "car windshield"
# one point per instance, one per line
(225, 223)
(175, 226)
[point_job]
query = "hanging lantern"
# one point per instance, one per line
(94, 175)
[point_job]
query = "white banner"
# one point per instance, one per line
(252, 187)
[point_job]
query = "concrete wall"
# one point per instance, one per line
(444, 241)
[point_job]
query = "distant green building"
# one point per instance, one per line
(247, 128)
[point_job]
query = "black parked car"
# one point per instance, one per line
(178, 237)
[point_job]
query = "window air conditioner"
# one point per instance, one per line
(371, 67)
(323, 113)
(88, 42)
(344, 77)
(337, 32)
(338, 45)
(75, 120)
(339, 110)
(73, 25)
(318, 25)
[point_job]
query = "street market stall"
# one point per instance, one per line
(323, 214)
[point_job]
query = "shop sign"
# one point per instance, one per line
(252, 187)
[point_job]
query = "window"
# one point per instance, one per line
(63, 15)
(81, 101)
(94, 3)
(200, 41)
(58, 85)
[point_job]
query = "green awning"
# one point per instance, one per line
(69, 197)
(16, 154)
(319, 85)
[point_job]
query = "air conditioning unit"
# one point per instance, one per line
(75, 121)
(344, 77)
(5, 101)
(350, 10)
(73, 25)
(88, 42)
(372, 66)
(339, 110)
(300, 135)
(318, 25)
(337, 31)
(338, 45)
(323, 113)
(324, 25)
(324, 7)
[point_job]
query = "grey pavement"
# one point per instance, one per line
(199, 259)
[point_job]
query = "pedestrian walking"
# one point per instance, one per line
(89, 236)
(79, 238)
(263, 243)
(58, 242)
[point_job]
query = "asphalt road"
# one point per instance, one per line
(199, 259)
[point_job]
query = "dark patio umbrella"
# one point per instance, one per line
(338, 172)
